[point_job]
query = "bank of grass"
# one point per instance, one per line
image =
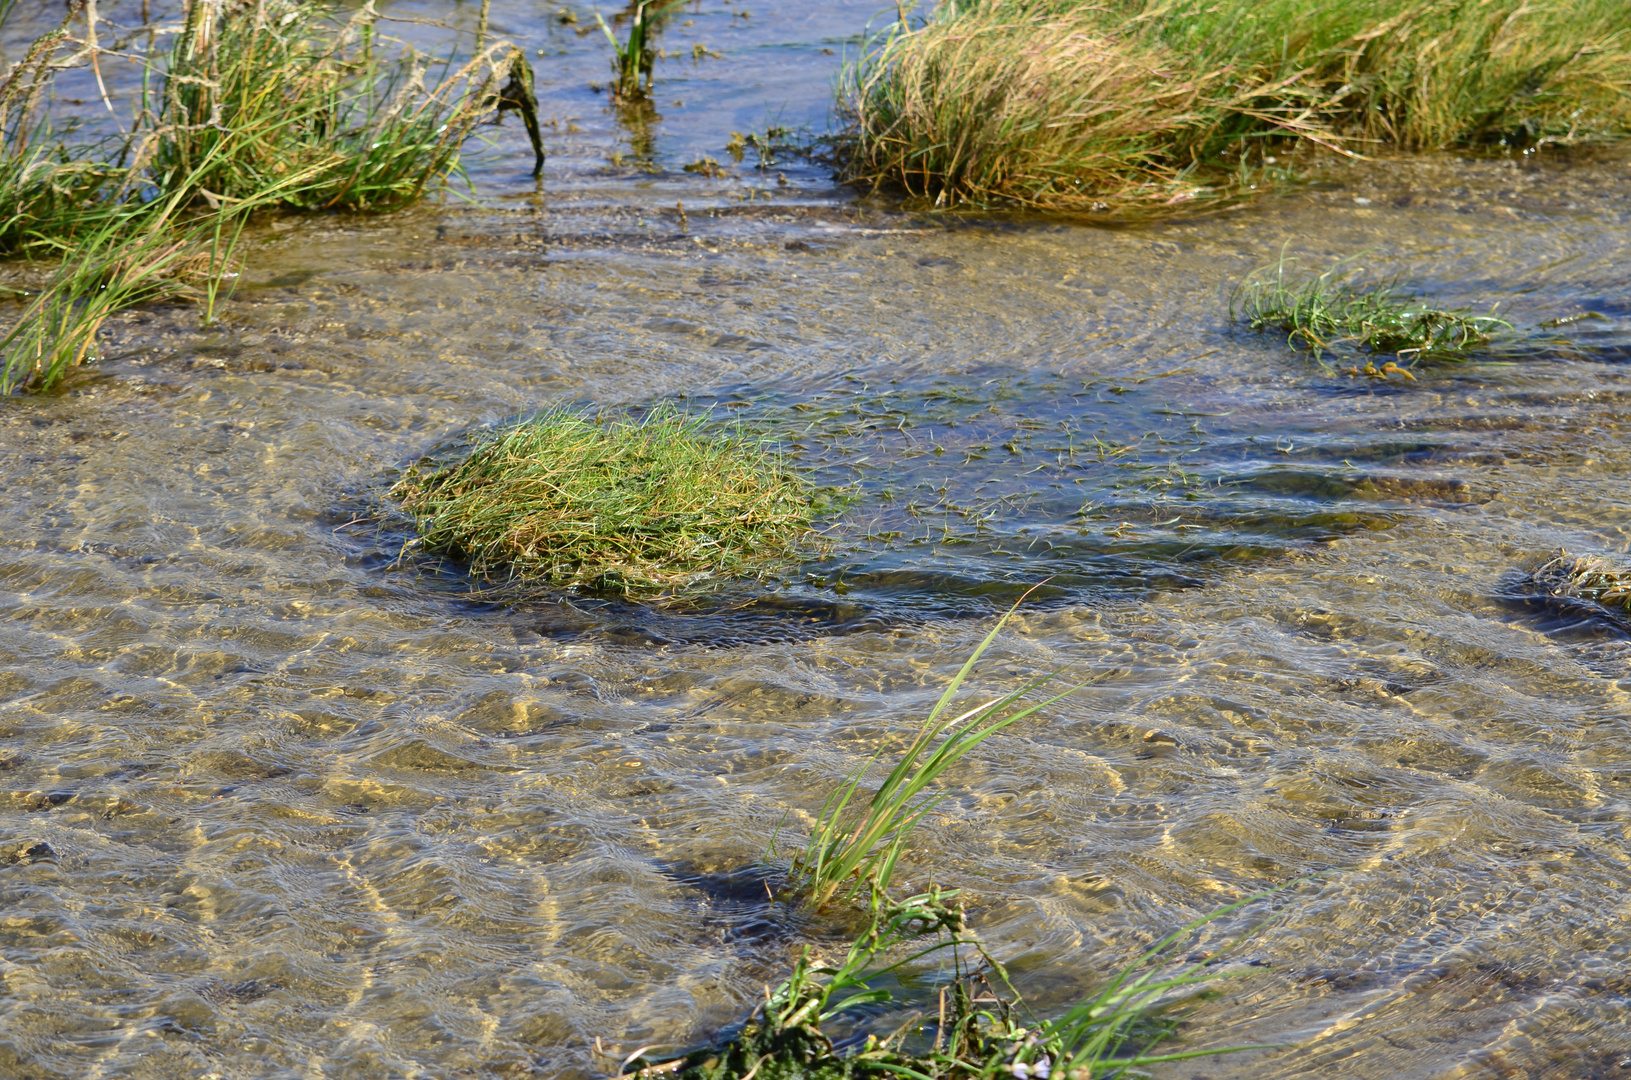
(274, 103)
(1077, 105)
(640, 507)
(1333, 310)
(979, 1028)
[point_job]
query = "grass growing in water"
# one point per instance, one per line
(852, 851)
(1330, 310)
(278, 102)
(283, 87)
(633, 60)
(1587, 577)
(641, 507)
(1076, 105)
(981, 1029)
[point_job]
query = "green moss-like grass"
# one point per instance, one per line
(1115, 104)
(637, 507)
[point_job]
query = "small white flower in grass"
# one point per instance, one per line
(1020, 1070)
(1042, 1068)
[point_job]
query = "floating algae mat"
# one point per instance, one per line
(610, 505)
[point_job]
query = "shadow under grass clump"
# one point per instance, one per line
(639, 508)
(1330, 310)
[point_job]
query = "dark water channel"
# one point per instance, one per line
(273, 803)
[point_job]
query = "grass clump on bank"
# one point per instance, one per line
(979, 1028)
(253, 104)
(1077, 105)
(638, 507)
(1329, 310)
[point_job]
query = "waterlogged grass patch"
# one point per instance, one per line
(637, 507)
(1587, 577)
(1329, 311)
(980, 1028)
(1082, 106)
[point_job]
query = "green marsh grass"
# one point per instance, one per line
(981, 1029)
(640, 507)
(853, 847)
(286, 87)
(1327, 311)
(1122, 104)
(132, 254)
(634, 58)
(48, 189)
(275, 103)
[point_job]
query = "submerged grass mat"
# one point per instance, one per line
(1323, 312)
(635, 507)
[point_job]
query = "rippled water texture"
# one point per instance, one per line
(273, 803)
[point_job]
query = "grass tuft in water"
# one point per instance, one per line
(1121, 104)
(979, 1028)
(637, 507)
(283, 88)
(853, 848)
(1330, 310)
(1587, 577)
(634, 58)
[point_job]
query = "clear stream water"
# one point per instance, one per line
(273, 803)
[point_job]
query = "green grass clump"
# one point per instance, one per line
(1329, 310)
(639, 507)
(284, 87)
(1078, 105)
(981, 1030)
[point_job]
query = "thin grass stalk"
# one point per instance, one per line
(851, 852)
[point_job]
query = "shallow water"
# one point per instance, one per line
(274, 803)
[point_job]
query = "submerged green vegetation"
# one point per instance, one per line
(279, 103)
(638, 507)
(1323, 312)
(1077, 105)
(979, 1027)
